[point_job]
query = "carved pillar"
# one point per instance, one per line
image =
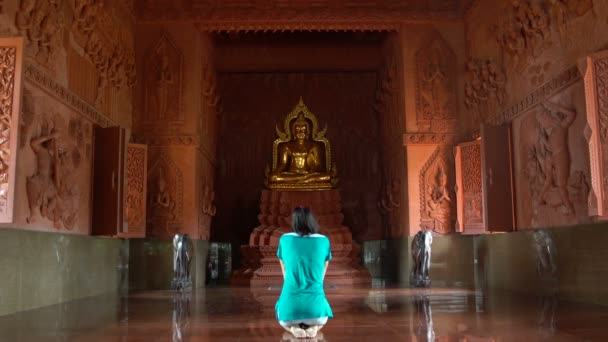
(469, 194)
(11, 63)
(595, 72)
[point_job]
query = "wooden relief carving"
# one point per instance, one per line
(595, 72)
(386, 96)
(556, 190)
(53, 190)
(11, 63)
(231, 15)
(562, 13)
(548, 89)
(207, 211)
(436, 101)
(484, 88)
(523, 33)
(163, 82)
(436, 194)
(469, 187)
(42, 22)
(97, 33)
(137, 164)
(165, 196)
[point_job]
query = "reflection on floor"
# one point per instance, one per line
(361, 314)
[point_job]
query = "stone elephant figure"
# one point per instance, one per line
(183, 252)
(421, 255)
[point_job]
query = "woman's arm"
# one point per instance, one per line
(282, 268)
(325, 269)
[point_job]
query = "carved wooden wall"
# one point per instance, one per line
(73, 50)
(538, 45)
(11, 68)
(253, 103)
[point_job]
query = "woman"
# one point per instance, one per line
(302, 308)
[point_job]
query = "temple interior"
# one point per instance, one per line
(454, 152)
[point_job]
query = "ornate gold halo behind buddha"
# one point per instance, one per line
(301, 155)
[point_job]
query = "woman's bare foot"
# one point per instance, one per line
(297, 331)
(311, 332)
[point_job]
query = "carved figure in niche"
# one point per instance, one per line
(421, 259)
(207, 205)
(163, 204)
(436, 87)
(301, 160)
(554, 121)
(439, 203)
(164, 198)
(183, 252)
(164, 81)
(437, 79)
(389, 197)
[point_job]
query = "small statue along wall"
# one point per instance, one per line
(421, 256)
(183, 251)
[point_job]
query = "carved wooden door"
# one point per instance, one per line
(137, 180)
(469, 194)
(108, 181)
(11, 66)
(497, 176)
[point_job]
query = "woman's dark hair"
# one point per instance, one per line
(303, 222)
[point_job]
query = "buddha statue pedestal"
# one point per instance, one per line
(260, 265)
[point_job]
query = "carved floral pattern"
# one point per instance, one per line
(7, 82)
(136, 187)
(471, 183)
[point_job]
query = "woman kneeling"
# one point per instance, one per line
(302, 308)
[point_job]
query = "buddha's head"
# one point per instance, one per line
(300, 128)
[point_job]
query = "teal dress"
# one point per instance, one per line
(304, 258)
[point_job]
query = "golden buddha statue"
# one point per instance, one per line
(301, 155)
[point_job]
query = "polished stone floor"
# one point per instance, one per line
(361, 314)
